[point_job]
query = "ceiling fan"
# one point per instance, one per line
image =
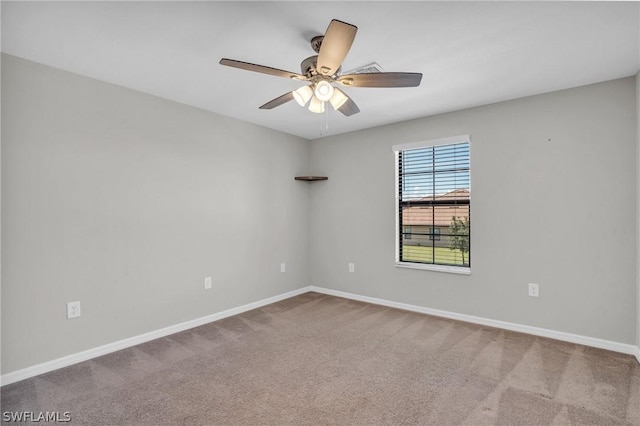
(322, 71)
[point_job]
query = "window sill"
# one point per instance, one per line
(437, 268)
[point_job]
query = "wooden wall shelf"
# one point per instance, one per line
(311, 178)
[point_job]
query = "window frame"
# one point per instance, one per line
(465, 270)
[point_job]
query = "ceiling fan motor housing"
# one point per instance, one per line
(308, 67)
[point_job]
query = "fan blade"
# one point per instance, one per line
(278, 101)
(335, 45)
(261, 68)
(349, 107)
(381, 79)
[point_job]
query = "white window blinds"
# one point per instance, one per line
(434, 203)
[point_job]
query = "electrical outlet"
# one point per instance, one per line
(352, 267)
(73, 310)
(207, 283)
(283, 267)
(534, 290)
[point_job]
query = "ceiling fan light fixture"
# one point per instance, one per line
(302, 95)
(316, 105)
(323, 91)
(338, 99)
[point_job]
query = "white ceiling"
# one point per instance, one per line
(470, 53)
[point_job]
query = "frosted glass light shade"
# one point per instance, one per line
(338, 99)
(302, 95)
(316, 105)
(324, 90)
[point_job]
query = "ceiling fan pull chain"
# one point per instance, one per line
(324, 123)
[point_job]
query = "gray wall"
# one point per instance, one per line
(125, 202)
(549, 173)
(638, 211)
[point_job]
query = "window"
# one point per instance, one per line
(434, 204)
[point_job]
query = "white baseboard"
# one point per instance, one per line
(68, 360)
(543, 332)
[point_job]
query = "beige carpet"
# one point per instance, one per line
(317, 359)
